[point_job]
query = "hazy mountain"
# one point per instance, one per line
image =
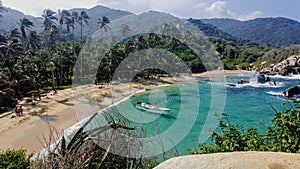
(10, 18)
(95, 13)
(211, 30)
(277, 31)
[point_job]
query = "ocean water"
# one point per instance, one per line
(194, 108)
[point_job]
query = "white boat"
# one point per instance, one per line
(151, 108)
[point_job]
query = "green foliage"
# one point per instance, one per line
(14, 159)
(234, 55)
(123, 49)
(80, 149)
(283, 136)
(276, 55)
(151, 164)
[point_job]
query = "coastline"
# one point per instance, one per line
(51, 116)
(57, 113)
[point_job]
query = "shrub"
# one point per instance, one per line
(14, 159)
(283, 136)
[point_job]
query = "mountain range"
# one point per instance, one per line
(274, 31)
(11, 17)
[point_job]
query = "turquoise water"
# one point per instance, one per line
(193, 108)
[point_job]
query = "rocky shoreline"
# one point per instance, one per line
(288, 66)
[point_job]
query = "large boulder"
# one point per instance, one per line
(292, 91)
(234, 160)
(262, 78)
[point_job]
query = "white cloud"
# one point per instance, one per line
(36, 7)
(250, 16)
(216, 9)
(181, 8)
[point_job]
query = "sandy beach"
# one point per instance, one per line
(56, 112)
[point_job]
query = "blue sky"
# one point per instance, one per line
(236, 9)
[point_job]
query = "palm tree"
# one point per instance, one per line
(52, 67)
(82, 18)
(125, 30)
(70, 24)
(60, 17)
(65, 17)
(11, 49)
(103, 23)
(1, 8)
(25, 23)
(49, 22)
(34, 41)
(141, 43)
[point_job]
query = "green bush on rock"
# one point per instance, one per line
(283, 136)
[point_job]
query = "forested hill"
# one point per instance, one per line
(211, 30)
(276, 31)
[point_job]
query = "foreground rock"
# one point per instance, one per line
(292, 91)
(286, 67)
(234, 160)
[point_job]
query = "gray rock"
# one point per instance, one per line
(261, 78)
(234, 160)
(292, 91)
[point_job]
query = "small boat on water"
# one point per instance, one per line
(151, 108)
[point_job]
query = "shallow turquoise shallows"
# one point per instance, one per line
(193, 109)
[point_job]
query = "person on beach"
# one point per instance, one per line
(19, 110)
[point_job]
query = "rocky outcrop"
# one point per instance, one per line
(243, 81)
(292, 91)
(261, 78)
(234, 160)
(289, 65)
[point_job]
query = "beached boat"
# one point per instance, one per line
(151, 108)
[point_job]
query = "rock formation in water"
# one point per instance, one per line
(261, 78)
(292, 91)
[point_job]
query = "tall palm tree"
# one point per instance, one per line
(49, 22)
(61, 14)
(125, 30)
(25, 23)
(65, 17)
(34, 41)
(1, 8)
(82, 18)
(103, 23)
(70, 24)
(11, 49)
